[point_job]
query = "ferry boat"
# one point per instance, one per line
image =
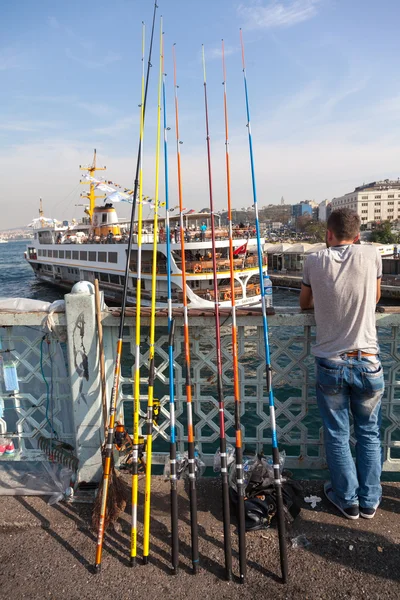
(3, 241)
(95, 248)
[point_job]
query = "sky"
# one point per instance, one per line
(323, 85)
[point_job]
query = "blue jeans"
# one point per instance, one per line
(353, 384)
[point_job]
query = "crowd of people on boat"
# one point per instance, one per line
(193, 234)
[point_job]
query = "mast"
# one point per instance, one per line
(91, 195)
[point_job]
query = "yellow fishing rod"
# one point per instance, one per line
(117, 368)
(149, 439)
(136, 396)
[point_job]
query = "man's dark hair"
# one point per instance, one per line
(344, 224)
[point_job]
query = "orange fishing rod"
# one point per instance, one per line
(191, 453)
(235, 361)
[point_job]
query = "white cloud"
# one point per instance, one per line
(215, 53)
(98, 63)
(28, 126)
(98, 110)
(117, 127)
(257, 14)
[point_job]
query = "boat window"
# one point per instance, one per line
(114, 279)
(113, 257)
(92, 256)
(44, 252)
(50, 253)
(104, 277)
(61, 253)
(122, 280)
(40, 252)
(104, 218)
(55, 253)
(68, 254)
(102, 256)
(83, 255)
(75, 254)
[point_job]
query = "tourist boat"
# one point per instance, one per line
(95, 248)
(3, 241)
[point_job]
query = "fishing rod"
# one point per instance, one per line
(136, 387)
(117, 368)
(222, 436)
(191, 452)
(150, 393)
(171, 333)
(275, 449)
(235, 361)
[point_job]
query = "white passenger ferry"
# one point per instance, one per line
(95, 248)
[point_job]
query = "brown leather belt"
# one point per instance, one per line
(355, 353)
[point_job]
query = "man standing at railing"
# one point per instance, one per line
(203, 229)
(343, 284)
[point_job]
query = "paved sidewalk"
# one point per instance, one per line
(48, 552)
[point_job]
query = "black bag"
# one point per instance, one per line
(260, 499)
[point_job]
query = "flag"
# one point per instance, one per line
(241, 250)
(190, 212)
(105, 188)
(87, 177)
(119, 197)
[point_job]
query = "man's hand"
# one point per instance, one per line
(378, 289)
(306, 297)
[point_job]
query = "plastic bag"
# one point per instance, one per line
(230, 458)
(182, 465)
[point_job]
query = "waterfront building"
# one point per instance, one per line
(301, 209)
(324, 210)
(375, 202)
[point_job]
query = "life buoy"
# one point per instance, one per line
(227, 296)
(258, 291)
(197, 268)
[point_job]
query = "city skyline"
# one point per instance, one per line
(324, 102)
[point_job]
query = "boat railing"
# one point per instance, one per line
(206, 266)
(198, 236)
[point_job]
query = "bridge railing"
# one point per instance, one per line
(69, 401)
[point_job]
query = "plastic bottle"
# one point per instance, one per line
(267, 290)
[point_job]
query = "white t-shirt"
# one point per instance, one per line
(343, 284)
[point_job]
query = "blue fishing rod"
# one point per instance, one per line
(171, 331)
(275, 449)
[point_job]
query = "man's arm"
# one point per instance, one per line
(378, 289)
(306, 297)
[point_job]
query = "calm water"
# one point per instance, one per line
(16, 276)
